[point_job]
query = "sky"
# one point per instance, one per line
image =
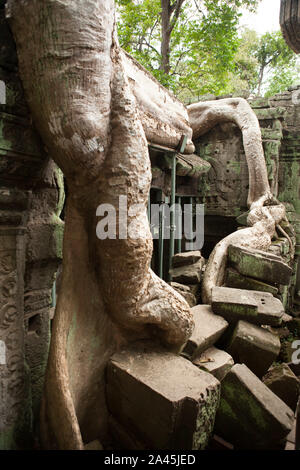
(266, 19)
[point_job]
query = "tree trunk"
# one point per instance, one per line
(165, 35)
(262, 220)
(260, 79)
(77, 89)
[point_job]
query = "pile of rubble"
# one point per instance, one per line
(225, 389)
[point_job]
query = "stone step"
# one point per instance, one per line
(215, 361)
(261, 265)
(190, 274)
(187, 258)
(208, 329)
(256, 307)
(284, 383)
(254, 346)
(250, 415)
(162, 398)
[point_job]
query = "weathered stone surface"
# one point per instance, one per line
(254, 346)
(162, 398)
(14, 410)
(214, 361)
(8, 53)
(37, 342)
(238, 281)
(284, 383)
(208, 329)
(185, 291)
(270, 113)
(256, 307)
(194, 288)
(28, 257)
(250, 415)
(184, 259)
(122, 437)
(260, 265)
(190, 274)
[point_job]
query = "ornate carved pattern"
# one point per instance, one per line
(11, 332)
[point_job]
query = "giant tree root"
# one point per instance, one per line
(74, 79)
(265, 211)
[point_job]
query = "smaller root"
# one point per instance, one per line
(284, 233)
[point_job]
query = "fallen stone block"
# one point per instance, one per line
(254, 346)
(238, 281)
(162, 398)
(190, 274)
(122, 438)
(208, 329)
(260, 265)
(185, 291)
(260, 308)
(187, 258)
(250, 415)
(284, 383)
(214, 361)
(194, 288)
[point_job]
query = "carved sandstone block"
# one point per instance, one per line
(254, 346)
(162, 398)
(260, 265)
(250, 415)
(208, 329)
(256, 307)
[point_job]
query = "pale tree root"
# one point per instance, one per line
(266, 212)
(204, 116)
(82, 105)
(259, 236)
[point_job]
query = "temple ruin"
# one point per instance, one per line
(97, 350)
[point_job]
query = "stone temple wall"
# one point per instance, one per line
(31, 198)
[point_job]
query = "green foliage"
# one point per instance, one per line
(273, 55)
(244, 79)
(263, 64)
(282, 78)
(208, 52)
(204, 42)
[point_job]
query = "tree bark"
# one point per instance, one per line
(78, 92)
(169, 16)
(165, 35)
(265, 211)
